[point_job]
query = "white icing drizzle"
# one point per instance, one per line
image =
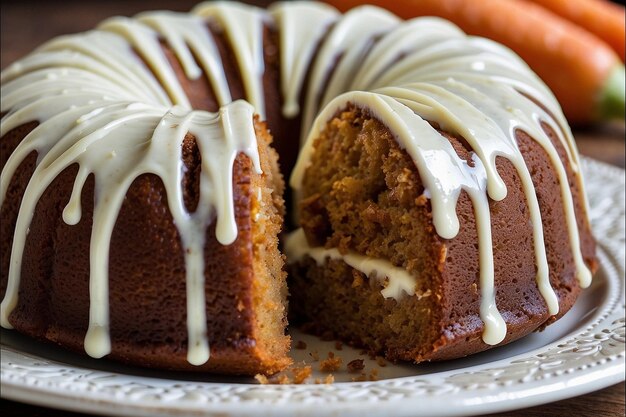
(108, 101)
(399, 281)
(106, 56)
(244, 27)
(146, 42)
(190, 40)
(347, 42)
(302, 27)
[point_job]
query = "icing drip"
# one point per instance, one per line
(107, 56)
(146, 42)
(303, 25)
(244, 27)
(190, 40)
(347, 42)
(85, 91)
(399, 281)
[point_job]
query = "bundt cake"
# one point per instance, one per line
(438, 203)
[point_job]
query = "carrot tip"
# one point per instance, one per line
(611, 105)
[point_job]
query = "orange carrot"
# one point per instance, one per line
(584, 73)
(601, 17)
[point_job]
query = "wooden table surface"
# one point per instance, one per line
(26, 24)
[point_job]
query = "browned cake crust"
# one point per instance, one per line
(245, 281)
(366, 197)
(246, 287)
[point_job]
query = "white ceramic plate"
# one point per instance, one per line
(581, 353)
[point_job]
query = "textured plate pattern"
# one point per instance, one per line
(589, 356)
